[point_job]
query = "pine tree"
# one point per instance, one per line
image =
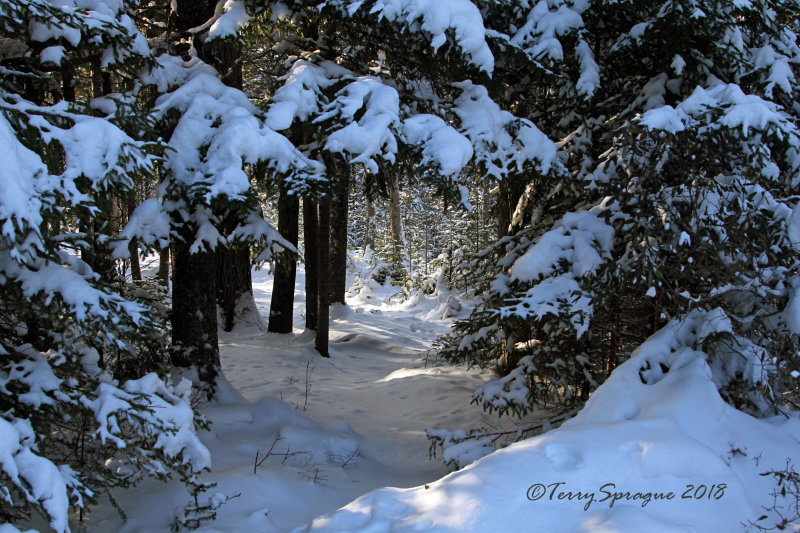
(71, 430)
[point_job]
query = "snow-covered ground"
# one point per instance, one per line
(361, 425)
(295, 437)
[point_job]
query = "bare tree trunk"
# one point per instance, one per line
(234, 280)
(338, 244)
(194, 311)
(310, 230)
(504, 210)
(369, 230)
(323, 287)
(395, 218)
(281, 307)
(109, 218)
(396, 228)
(136, 268)
(163, 267)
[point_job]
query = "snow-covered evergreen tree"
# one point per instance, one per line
(677, 124)
(70, 431)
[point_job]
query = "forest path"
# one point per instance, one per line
(377, 380)
(375, 396)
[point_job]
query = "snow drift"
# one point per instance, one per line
(655, 449)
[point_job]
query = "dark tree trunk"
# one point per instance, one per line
(323, 285)
(281, 307)
(510, 191)
(108, 221)
(194, 288)
(163, 267)
(68, 82)
(503, 210)
(194, 310)
(338, 244)
(312, 262)
(136, 268)
(234, 280)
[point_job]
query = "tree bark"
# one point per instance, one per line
(510, 191)
(338, 244)
(395, 219)
(234, 280)
(369, 229)
(194, 310)
(281, 307)
(194, 276)
(108, 221)
(310, 229)
(163, 267)
(136, 268)
(396, 229)
(323, 287)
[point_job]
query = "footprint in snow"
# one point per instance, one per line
(563, 457)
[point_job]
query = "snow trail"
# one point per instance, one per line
(377, 380)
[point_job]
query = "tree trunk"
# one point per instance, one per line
(503, 210)
(194, 287)
(109, 219)
(68, 82)
(323, 286)
(338, 244)
(395, 220)
(312, 262)
(369, 229)
(136, 268)
(163, 267)
(234, 280)
(511, 191)
(281, 307)
(194, 310)
(396, 230)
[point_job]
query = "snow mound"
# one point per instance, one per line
(655, 449)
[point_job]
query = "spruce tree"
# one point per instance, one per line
(677, 127)
(71, 430)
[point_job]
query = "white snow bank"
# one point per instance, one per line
(655, 449)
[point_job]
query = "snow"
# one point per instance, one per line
(437, 18)
(221, 123)
(333, 431)
(52, 54)
(489, 129)
(740, 110)
(376, 395)
(441, 143)
(581, 239)
(372, 135)
(663, 453)
(20, 204)
(300, 95)
(234, 17)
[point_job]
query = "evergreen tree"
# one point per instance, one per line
(71, 430)
(678, 127)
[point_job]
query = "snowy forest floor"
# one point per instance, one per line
(345, 425)
(300, 443)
